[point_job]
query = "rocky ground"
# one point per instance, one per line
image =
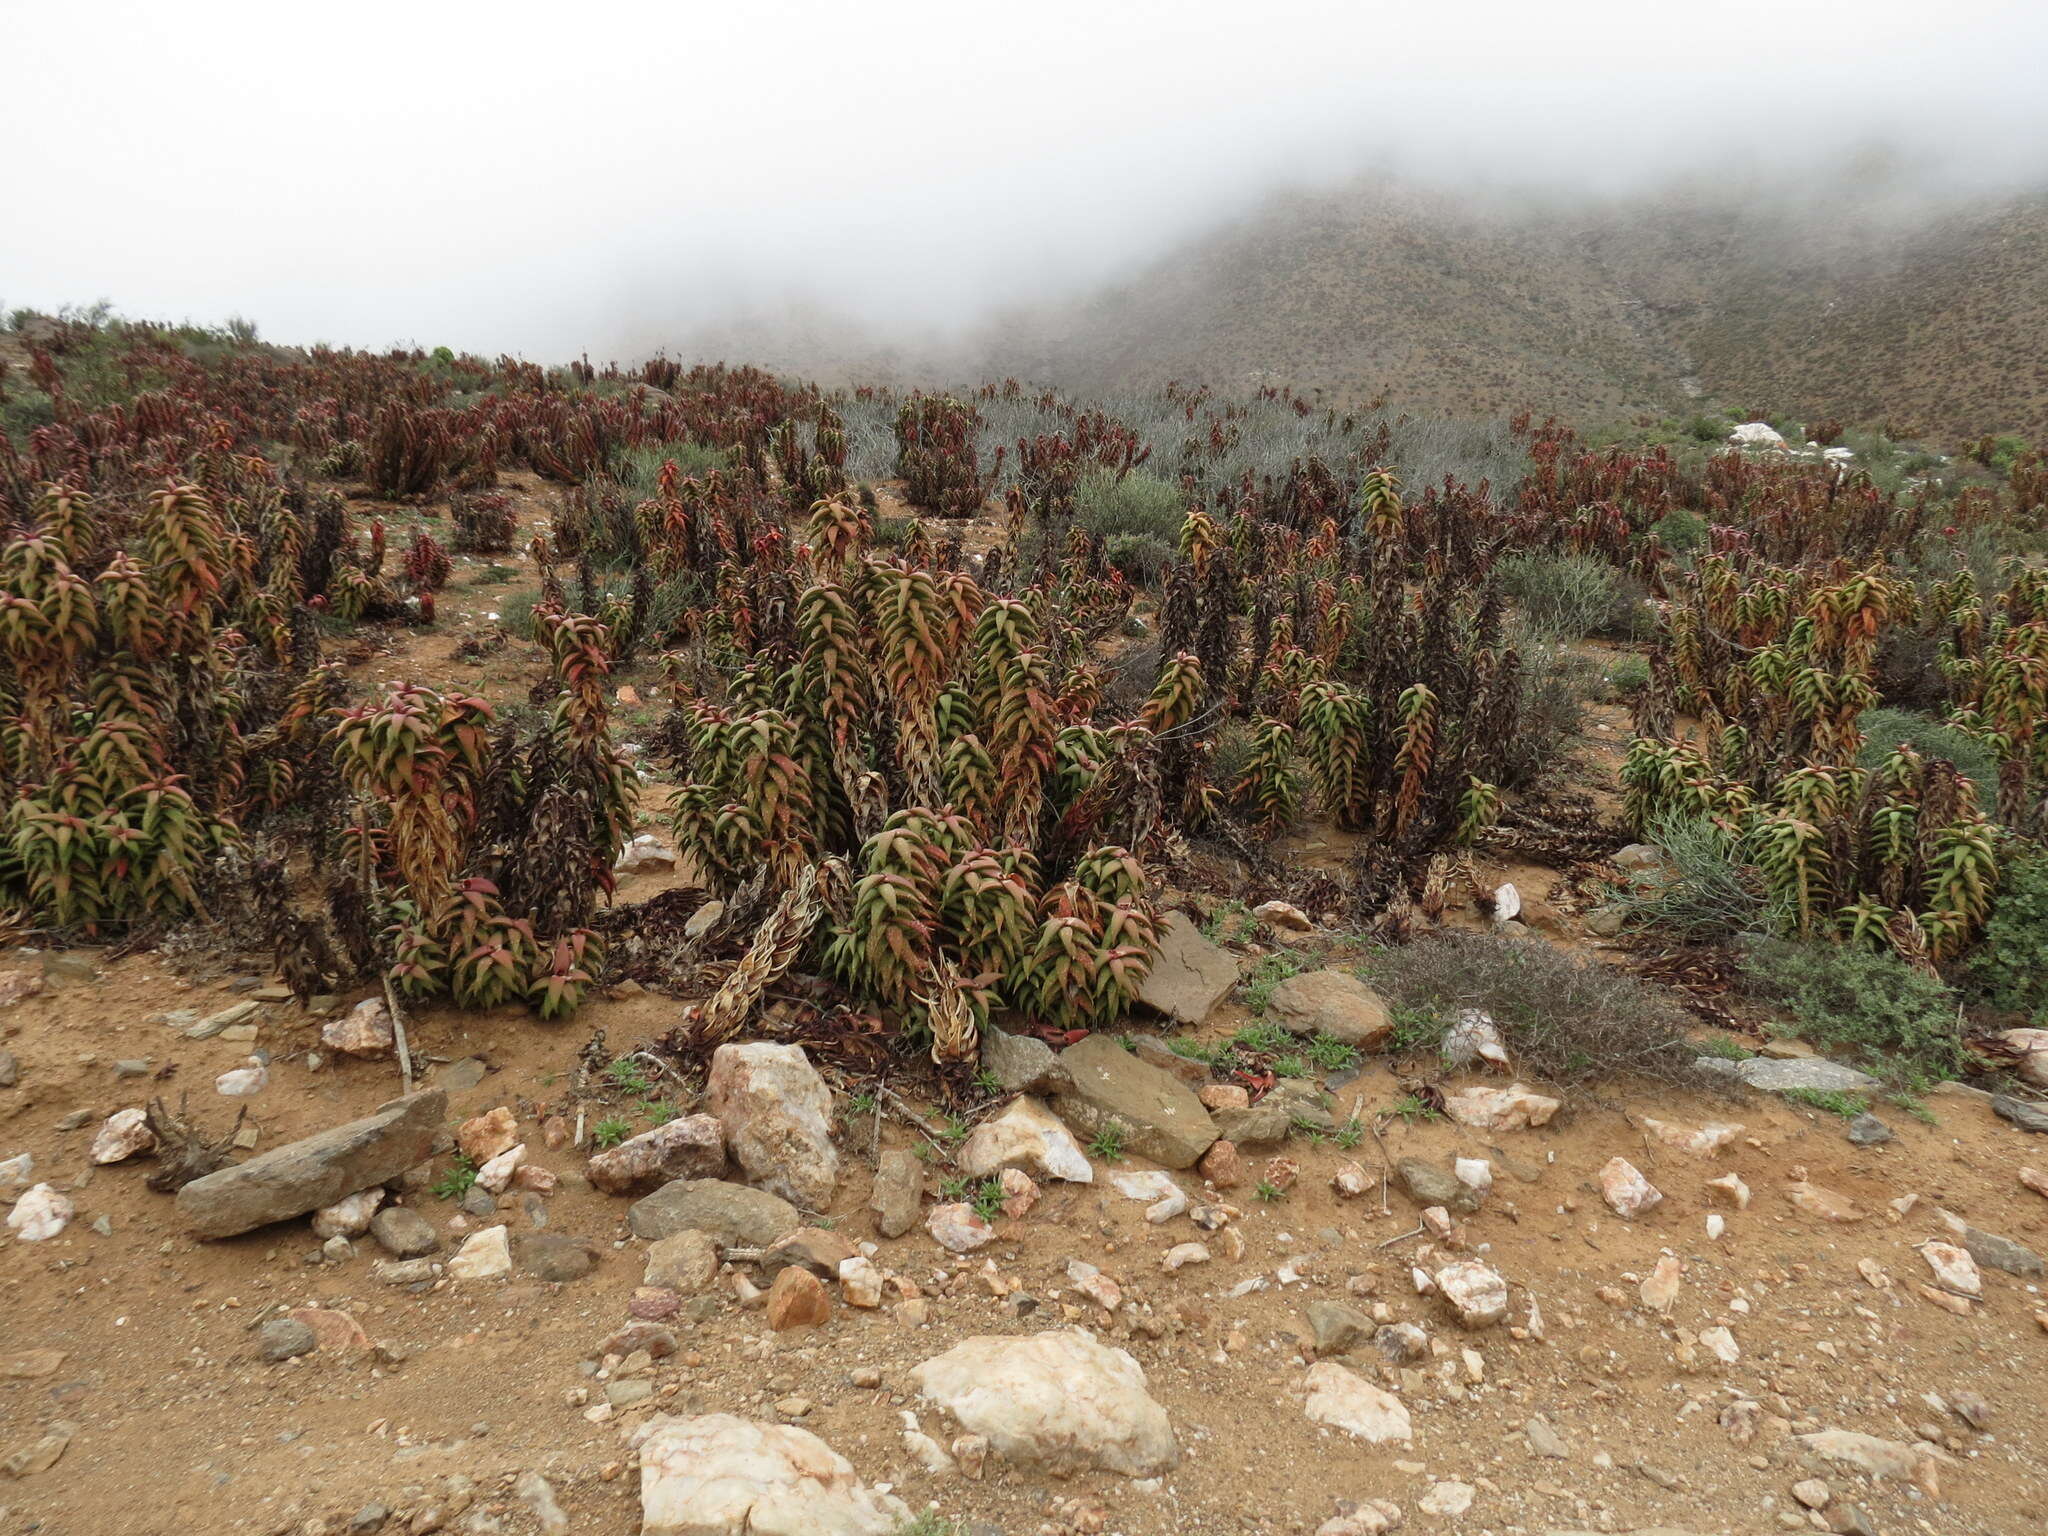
(1668, 1311)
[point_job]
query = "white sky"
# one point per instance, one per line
(545, 177)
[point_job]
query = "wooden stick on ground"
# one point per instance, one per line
(398, 1035)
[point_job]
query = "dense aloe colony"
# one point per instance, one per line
(932, 762)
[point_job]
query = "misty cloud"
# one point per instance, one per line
(622, 176)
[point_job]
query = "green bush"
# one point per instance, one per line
(1900, 1024)
(1138, 504)
(1681, 531)
(1140, 556)
(1885, 730)
(1555, 687)
(1562, 1019)
(1630, 674)
(1712, 892)
(1572, 596)
(640, 468)
(2010, 968)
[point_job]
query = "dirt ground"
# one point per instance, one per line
(178, 1426)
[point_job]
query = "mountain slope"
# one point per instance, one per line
(1816, 309)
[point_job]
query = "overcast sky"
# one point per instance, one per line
(544, 177)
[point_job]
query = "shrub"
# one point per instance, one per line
(639, 469)
(1555, 687)
(1901, 1023)
(483, 522)
(2010, 968)
(1885, 730)
(1680, 530)
(1712, 893)
(1139, 556)
(1136, 503)
(1630, 674)
(1571, 596)
(1570, 1022)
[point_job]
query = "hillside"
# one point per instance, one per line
(1861, 305)
(1640, 305)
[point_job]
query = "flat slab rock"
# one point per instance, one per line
(732, 1215)
(1774, 1076)
(1161, 1117)
(1061, 1401)
(720, 1475)
(1190, 976)
(317, 1170)
(1332, 1003)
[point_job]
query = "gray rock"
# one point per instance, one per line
(2028, 1117)
(1605, 922)
(214, 1023)
(554, 1257)
(1306, 1106)
(284, 1338)
(403, 1232)
(317, 1170)
(1160, 1115)
(1866, 1130)
(461, 1075)
(406, 1271)
(369, 1519)
(1775, 1076)
(732, 1215)
(134, 1067)
(1545, 1441)
(1190, 975)
(1021, 1064)
(58, 967)
(1155, 1052)
(10, 1070)
(2002, 1253)
(479, 1202)
(898, 1197)
(683, 1261)
(1265, 1124)
(1429, 1185)
(1332, 1003)
(1337, 1327)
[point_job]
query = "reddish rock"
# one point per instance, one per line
(690, 1148)
(1222, 1166)
(487, 1135)
(1223, 1096)
(541, 1181)
(335, 1333)
(654, 1303)
(1280, 1172)
(797, 1299)
(659, 1342)
(555, 1131)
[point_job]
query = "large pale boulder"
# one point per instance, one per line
(1160, 1115)
(1345, 1400)
(1190, 975)
(1029, 1136)
(1061, 1402)
(777, 1115)
(317, 1170)
(1332, 1003)
(721, 1475)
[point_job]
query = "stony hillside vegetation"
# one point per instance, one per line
(668, 950)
